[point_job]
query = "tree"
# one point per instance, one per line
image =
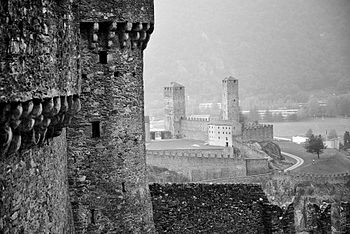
(309, 133)
(253, 115)
(332, 134)
(292, 118)
(315, 145)
(346, 140)
(331, 109)
(242, 117)
(278, 117)
(313, 107)
(268, 116)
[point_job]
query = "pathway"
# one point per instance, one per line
(300, 161)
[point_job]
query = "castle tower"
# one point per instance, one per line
(175, 107)
(230, 101)
(107, 161)
(39, 94)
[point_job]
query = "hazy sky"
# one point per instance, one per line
(261, 42)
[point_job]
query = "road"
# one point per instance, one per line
(300, 161)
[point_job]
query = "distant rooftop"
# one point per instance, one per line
(222, 122)
(175, 84)
(230, 78)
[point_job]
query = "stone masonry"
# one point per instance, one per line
(230, 101)
(39, 94)
(56, 57)
(175, 108)
(107, 170)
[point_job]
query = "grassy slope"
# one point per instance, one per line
(331, 161)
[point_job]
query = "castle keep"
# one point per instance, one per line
(175, 107)
(223, 131)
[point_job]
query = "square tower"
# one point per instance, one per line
(175, 107)
(230, 100)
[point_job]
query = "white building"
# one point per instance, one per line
(221, 133)
(299, 139)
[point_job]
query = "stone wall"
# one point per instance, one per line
(34, 194)
(50, 51)
(257, 166)
(107, 169)
(39, 88)
(194, 129)
(225, 208)
(38, 52)
(320, 202)
(257, 132)
(198, 165)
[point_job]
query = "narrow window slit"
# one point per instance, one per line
(96, 129)
(123, 187)
(103, 57)
(93, 218)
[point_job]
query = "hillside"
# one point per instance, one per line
(279, 50)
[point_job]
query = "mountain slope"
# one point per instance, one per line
(277, 49)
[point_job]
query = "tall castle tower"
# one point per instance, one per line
(175, 107)
(107, 161)
(230, 101)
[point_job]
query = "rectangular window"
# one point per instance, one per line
(103, 57)
(96, 129)
(93, 218)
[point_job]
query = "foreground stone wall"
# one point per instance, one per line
(224, 208)
(34, 194)
(39, 88)
(38, 52)
(44, 46)
(320, 202)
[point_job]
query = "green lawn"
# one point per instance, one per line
(331, 161)
(318, 126)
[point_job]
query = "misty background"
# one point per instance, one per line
(282, 52)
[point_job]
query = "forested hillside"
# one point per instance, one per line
(281, 51)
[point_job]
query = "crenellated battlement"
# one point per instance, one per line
(201, 119)
(253, 126)
(197, 153)
(257, 132)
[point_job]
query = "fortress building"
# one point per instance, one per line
(224, 131)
